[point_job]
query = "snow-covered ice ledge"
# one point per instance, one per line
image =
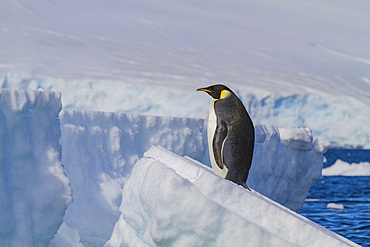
(176, 201)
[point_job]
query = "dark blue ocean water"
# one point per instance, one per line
(353, 221)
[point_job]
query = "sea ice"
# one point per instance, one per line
(342, 168)
(333, 205)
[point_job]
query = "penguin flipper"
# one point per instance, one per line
(218, 140)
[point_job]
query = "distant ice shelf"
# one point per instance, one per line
(339, 120)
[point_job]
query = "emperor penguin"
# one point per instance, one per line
(230, 134)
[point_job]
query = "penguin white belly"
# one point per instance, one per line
(211, 128)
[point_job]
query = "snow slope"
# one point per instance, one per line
(34, 190)
(341, 168)
(176, 201)
(294, 64)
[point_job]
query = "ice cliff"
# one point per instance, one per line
(103, 157)
(34, 190)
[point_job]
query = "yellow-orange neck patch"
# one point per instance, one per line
(224, 94)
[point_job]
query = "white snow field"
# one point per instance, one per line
(34, 190)
(342, 168)
(293, 63)
(179, 201)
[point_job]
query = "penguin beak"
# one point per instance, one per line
(204, 90)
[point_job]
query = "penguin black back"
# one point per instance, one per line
(232, 142)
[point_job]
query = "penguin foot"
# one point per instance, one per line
(246, 187)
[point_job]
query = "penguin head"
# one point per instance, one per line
(217, 91)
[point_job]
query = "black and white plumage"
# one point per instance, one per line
(230, 135)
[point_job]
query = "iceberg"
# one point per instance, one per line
(34, 189)
(342, 168)
(103, 156)
(101, 149)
